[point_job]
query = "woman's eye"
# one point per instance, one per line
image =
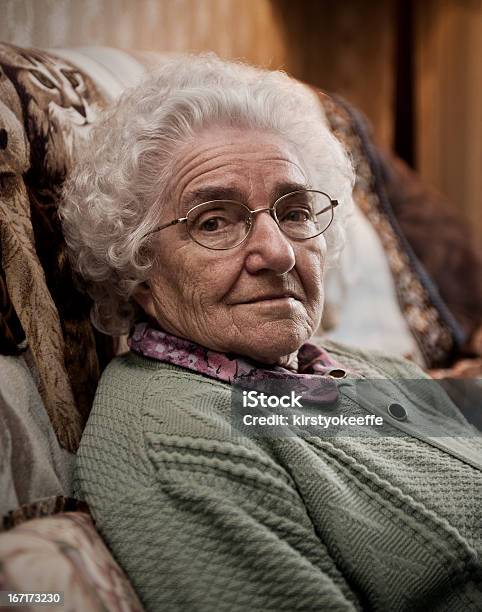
(213, 224)
(296, 215)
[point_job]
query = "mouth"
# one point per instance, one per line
(270, 297)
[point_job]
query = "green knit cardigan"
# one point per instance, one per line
(202, 519)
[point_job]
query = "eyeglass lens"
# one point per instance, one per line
(225, 224)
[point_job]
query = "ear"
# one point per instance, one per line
(143, 296)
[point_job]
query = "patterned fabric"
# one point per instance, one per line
(33, 465)
(360, 296)
(314, 364)
(64, 553)
(40, 509)
(47, 109)
(437, 333)
(157, 344)
(12, 336)
(452, 256)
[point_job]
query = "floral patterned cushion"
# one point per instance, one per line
(47, 107)
(64, 553)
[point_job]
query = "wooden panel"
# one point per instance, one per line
(449, 101)
(232, 28)
(345, 47)
(348, 51)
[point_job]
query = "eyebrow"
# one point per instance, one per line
(286, 187)
(206, 194)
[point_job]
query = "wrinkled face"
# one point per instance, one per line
(263, 298)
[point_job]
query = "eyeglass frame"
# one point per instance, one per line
(271, 209)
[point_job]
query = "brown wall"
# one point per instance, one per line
(448, 60)
(347, 47)
(231, 28)
(312, 39)
(344, 47)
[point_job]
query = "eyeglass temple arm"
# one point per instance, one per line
(161, 227)
(333, 204)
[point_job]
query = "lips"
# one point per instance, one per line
(268, 297)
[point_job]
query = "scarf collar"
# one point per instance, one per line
(316, 368)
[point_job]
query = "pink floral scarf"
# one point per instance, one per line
(314, 363)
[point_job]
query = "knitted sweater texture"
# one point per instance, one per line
(203, 519)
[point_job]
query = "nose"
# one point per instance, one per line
(267, 247)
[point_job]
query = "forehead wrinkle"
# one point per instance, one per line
(188, 156)
(231, 166)
(230, 177)
(227, 165)
(189, 160)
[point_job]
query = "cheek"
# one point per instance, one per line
(214, 277)
(311, 266)
(196, 277)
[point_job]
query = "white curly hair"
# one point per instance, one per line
(116, 191)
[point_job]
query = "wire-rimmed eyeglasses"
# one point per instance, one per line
(225, 224)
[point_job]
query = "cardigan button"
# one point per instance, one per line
(337, 373)
(397, 411)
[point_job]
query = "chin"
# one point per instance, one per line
(270, 348)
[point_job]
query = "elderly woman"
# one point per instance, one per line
(202, 218)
